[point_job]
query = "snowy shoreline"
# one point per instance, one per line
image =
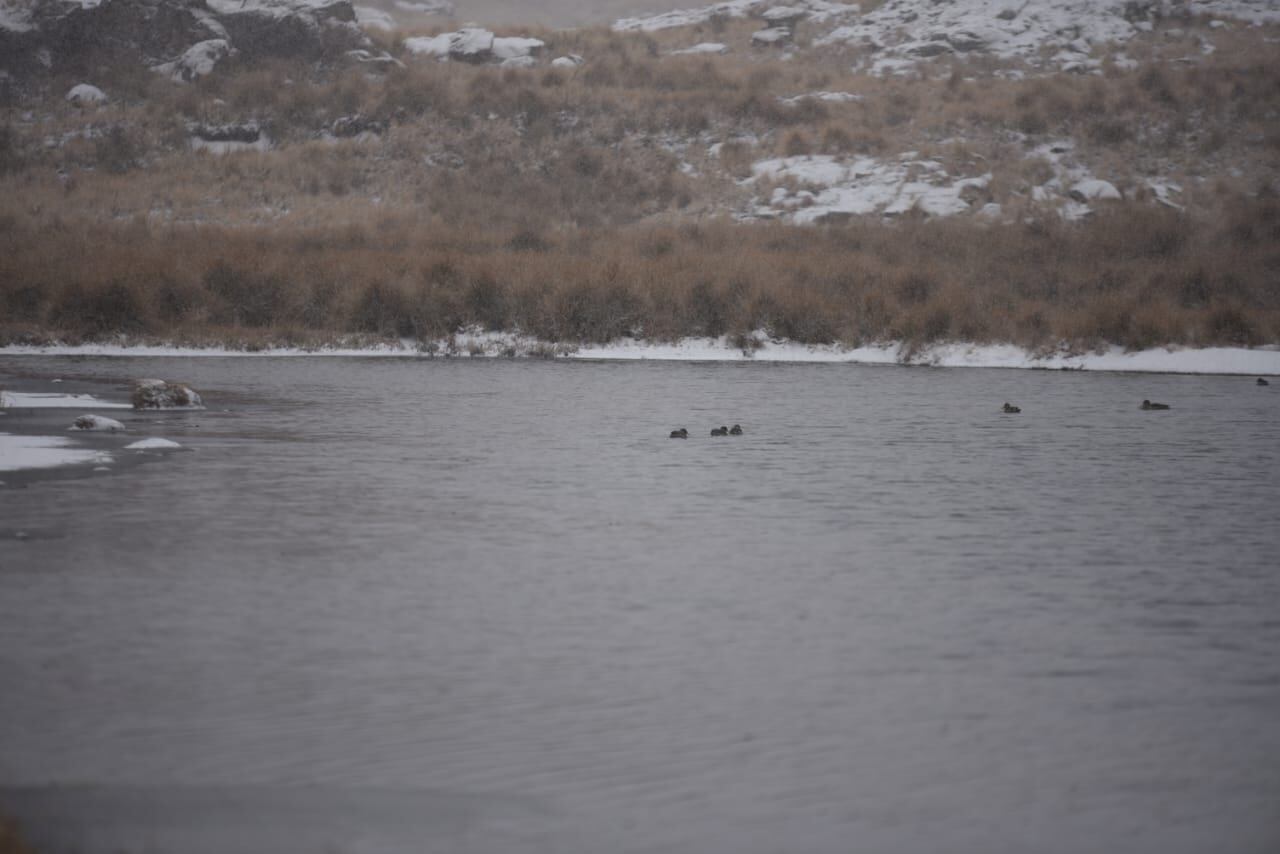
(1177, 360)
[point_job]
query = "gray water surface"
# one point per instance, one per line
(409, 605)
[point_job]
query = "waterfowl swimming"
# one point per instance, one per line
(1009, 407)
(680, 434)
(736, 431)
(719, 431)
(1146, 404)
(1261, 381)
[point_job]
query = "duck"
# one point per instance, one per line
(682, 433)
(736, 430)
(719, 431)
(1009, 407)
(1146, 404)
(1261, 381)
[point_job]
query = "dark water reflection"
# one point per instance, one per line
(419, 606)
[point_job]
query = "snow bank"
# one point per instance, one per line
(42, 452)
(50, 400)
(1212, 360)
(813, 10)
(475, 45)
(830, 187)
(153, 444)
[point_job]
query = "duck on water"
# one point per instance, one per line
(1146, 404)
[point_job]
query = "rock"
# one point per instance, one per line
(784, 16)
(471, 44)
(379, 61)
(966, 40)
(702, 48)
(772, 37)
(244, 132)
(929, 49)
(159, 394)
(97, 423)
(349, 126)
(570, 61)
(1092, 189)
(197, 61)
(183, 38)
(153, 444)
(83, 93)
(515, 47)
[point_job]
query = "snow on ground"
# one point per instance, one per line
(229, 146)
(821, 187)
(15, 16)
(369, 16)
(52, 400)
(152, 444)
(813, 10)
(41, 452)
(1264, 361)
(829, 97)
(702, 48)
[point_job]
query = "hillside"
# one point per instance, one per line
(1068, 174)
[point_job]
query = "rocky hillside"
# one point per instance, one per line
(802, 127)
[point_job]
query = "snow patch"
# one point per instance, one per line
(702, 48)
(153, 444)
(830, 187)
(369, 16)
(51, 400)
(42, 452)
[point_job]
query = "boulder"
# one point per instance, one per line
(1094, 188)
(471, 44)
(570, 61)
(97, 423)
(83, 94)
(196, 61)
(349, 126)
(784, 16)
(772, 37)
(159, 394)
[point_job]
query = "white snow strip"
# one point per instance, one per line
(42, 452)
(152, 444)
(51, 400)
(1262, 361)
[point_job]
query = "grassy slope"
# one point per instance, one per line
(553, 202)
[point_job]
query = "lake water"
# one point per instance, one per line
(394, 605)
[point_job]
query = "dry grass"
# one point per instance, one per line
(1138, 277)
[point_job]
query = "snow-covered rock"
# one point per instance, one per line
(153, 444)
(514, 47)
(197, 61)
(159, 394)
(771, 37)
(371, 17)
(84, 93)
(815, 10)
(97, 423)
(702, 48)
(829, 188)
(570, 61)
(784, 16)
(477, 45)
(1093, 189)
